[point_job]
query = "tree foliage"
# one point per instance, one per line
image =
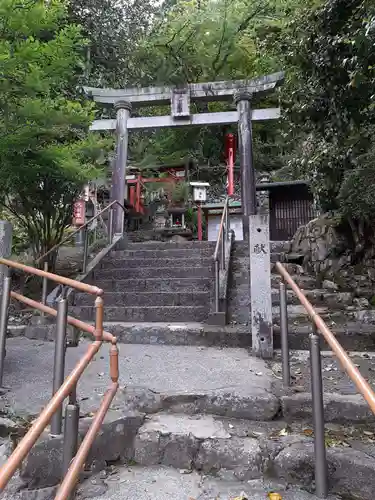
(206, 41)
(329, 51)
(113, 30)
(45, 153)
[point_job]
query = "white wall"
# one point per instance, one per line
(214, 225)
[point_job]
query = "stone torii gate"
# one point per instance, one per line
(255, 226)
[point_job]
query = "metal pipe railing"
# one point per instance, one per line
(75, 468)
(4, 315)
(319, 327)
(284, 334)
(62, 389)
(220, 251)
(81, 325)
(62, 280)
(321, 476)
(80, 228)
(59, 360)
(35, 431)
(362, 385)
(85, 229)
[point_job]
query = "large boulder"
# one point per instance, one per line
(321, 246)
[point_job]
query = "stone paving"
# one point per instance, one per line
(162, 369)
(203, 410)
(334, 377)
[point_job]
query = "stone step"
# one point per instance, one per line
(295, 269)
(353, 336)
(166, 483)
(200, 442)
(157, 285)
(239, 263)
(296, 314)
(174, 334)
(223, 449)
(303, 281)
(146, 299)
(162, 245)
(280, 246)
(136, 263)
(141, 313)
(241, 277)
(334, 300)
(170, 253)
(154, 378)
(152, 272)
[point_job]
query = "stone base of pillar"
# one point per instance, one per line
(260, 286)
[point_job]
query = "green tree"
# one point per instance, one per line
(204, 41)
(45, 155)
(113, 31)
(329, 100)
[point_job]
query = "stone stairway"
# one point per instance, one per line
(153, 282)
(337, 308)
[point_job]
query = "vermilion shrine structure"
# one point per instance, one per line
(255, 225)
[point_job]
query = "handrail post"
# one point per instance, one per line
(222, 256)
(4, 314)
(59, 360)
(110, 225)
(85, 249)
(321, 478)
(284, 334)
(44, 286)
(227, 221)
(217, 286)
(71, 423)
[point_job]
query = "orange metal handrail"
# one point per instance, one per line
(86, 224)
(23, 448)
(82, 287)
(362, 385)
(69, 384)
(107, 337)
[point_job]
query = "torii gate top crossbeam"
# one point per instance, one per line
(213, 91)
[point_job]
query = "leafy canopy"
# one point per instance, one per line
(328, 49)
(201, 41)
(45, 153)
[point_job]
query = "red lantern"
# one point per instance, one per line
(79, 213)
(230, 153)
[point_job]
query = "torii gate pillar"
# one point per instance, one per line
(245, 139)
(118, 193)
(256, 233)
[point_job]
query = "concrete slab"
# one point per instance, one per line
(160, 483)
(222, 374)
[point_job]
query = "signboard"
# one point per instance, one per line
(79, 213)
(199, 193)
(180, 103)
